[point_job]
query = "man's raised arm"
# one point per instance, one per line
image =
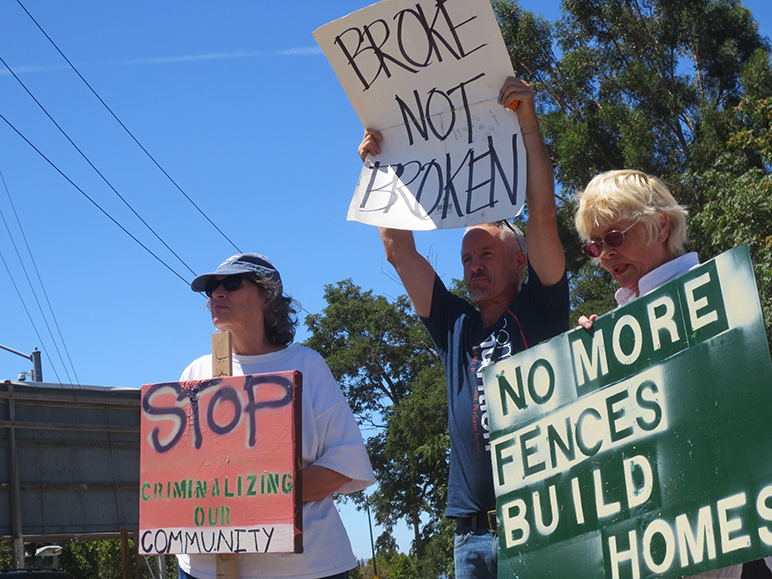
(544, 248)
(415, 272)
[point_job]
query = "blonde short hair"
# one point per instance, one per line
(627, 194)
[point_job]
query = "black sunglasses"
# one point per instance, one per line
(229, 283)
(613, 238)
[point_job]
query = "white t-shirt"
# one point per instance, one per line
(331, 439)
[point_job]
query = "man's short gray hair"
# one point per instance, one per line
(508, 231)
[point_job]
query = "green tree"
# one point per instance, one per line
(92, 560)
(653, 85)
(385, 362)
(738, 208)
(6, 555)
(391, 564)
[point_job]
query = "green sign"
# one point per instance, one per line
(642, 448)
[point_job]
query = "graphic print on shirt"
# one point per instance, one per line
(495, 347)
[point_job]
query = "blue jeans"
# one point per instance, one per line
(183, 575)
(476, 553)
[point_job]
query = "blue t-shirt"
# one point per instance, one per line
(465, 346)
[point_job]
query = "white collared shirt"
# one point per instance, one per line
(655, 278)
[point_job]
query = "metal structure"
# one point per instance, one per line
(69, 462)
(37, 367)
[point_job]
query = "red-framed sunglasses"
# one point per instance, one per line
(613, 238)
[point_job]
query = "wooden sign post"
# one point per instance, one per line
(222, 365)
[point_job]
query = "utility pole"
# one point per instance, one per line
(37, 367)
(13, 461)
(372, 544)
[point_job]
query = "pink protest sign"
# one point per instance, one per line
(220, 465)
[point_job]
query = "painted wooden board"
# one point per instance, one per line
(219, 461)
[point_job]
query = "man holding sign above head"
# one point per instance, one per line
(511, 315)
(246, 298)
(446, 154)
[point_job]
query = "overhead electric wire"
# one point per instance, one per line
(40, 281)
(34, 295)
(126, 129)
(66, 136)
(34, 327)
(110, 217)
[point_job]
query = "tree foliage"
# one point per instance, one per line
(738, 206)
(663, 86)
(437, 560)
(370, 349)
(381, 355)
(92, 560)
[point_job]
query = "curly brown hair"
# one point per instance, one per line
(280, 309)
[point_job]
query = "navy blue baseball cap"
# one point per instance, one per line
(242, 263)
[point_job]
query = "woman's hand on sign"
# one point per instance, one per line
(586, 322)
(517, 95)
(369, 144)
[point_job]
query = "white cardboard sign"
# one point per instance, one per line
(427, 74)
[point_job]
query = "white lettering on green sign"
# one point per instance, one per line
(670, 326)
(605, 420)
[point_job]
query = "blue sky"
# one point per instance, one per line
(237, 104)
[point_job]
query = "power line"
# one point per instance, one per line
(167, 266)
(34, 327)
(34, 295)
(127, 130)
(94, 167)
(40, 281)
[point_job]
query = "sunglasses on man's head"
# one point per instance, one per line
(230, 283)
(613, 238)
